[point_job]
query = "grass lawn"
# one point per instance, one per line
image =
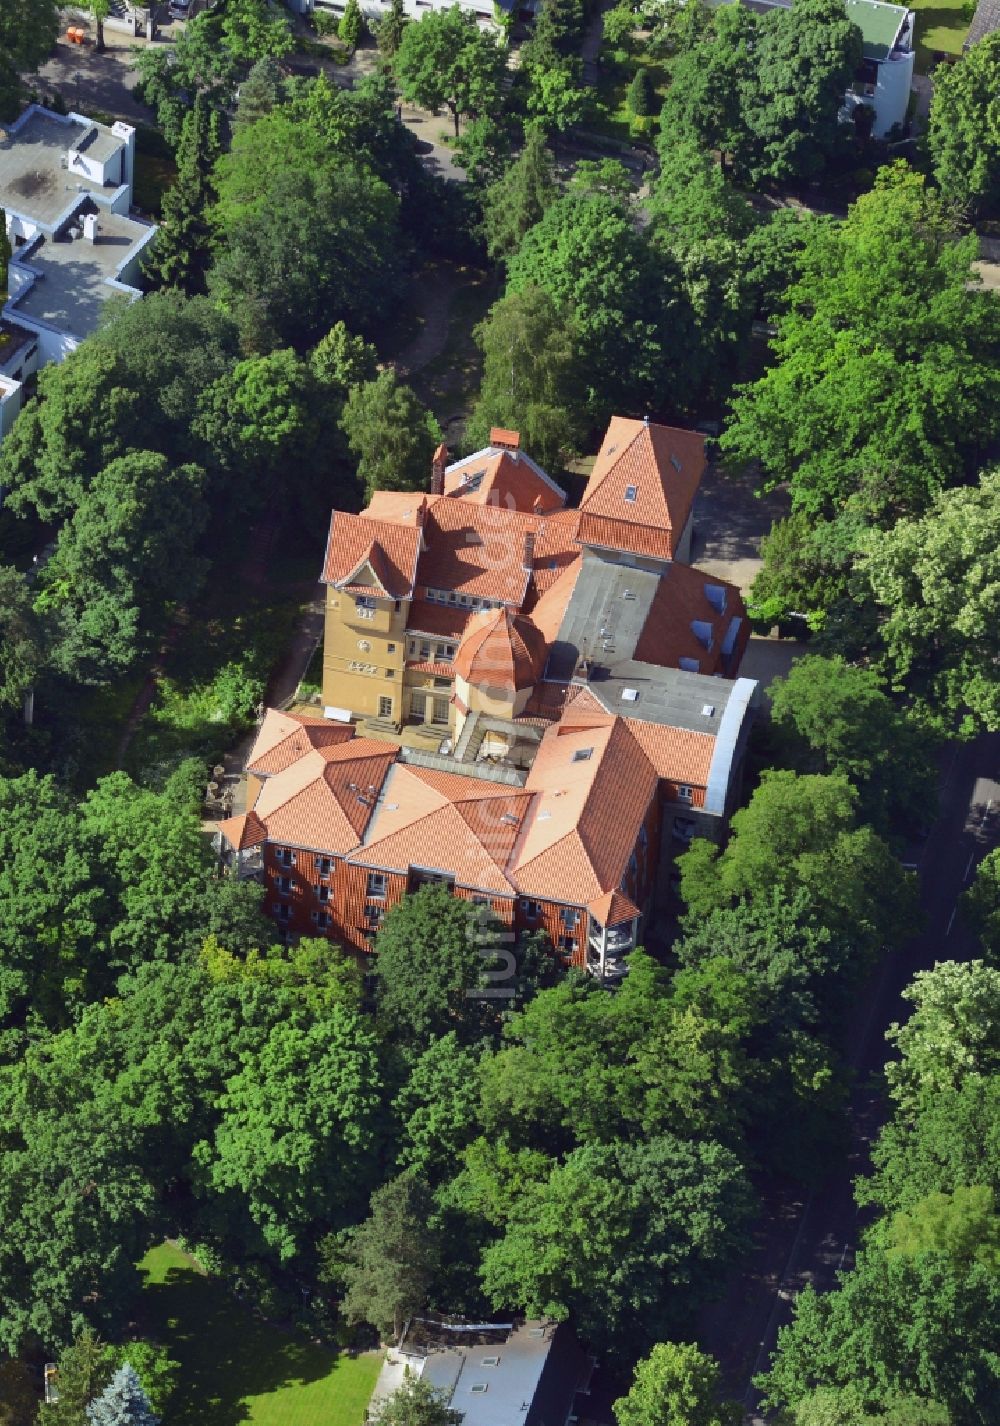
(235, 1369)
(940, 25)
(612, 116)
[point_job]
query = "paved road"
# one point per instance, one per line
(807, 1242)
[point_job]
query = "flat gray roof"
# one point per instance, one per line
(33, 181)
(72, 284)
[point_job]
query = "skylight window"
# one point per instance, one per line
(490, 1362)
(708, 710)
(583, 755)
(630, 695)
(631, 493)
(478, 1387)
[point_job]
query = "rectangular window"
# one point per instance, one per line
(684, 792)
(448, 652)
(285, 856)
(325, 866)
(390, 648)
(425, 652)
(440, 714)
(373, 915)
(282, 911)
(376, 883)
(323, 893)
(570, 917)
(631, 492)
(323, 920)
(385, 707)
(532, 909)
(284, 884)
(566, 943)
(364, 607)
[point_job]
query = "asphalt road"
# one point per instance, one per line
(808, 1241)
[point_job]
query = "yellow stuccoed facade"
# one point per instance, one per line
(364, 653)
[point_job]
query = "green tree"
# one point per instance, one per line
(299, 1125)
(964, 130)
(981, 904)
(834, 717)
(557, 98)
(805, 59)
(446, 60)
(391, 27)
(391, 433)
(953, 1033)
(963, 1225)
(602, 274)
(390, 1259)
(52, 907)
(529, 377)
(519, 198)
(127, 553)
(22, 651)
(158, 1373)
(953, 1140)
(438, 1107)
(28, 30)
(640, 95)
(261, 423)
(417, 1403)
(704, 105)
(427, 957)
(338, 219)
(799, 835)
(181, 254)
(340, 360)
(83, 1370)
(895, 1327)
(931, 579)
(261, 92)
(885, 317)
(678, 1384)
(352, 26)
(618, 1235)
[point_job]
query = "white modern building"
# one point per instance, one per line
(886, 74)
(66, 190)
(488, 14)
(496, 1374)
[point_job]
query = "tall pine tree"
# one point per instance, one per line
(122, 1402)
(181, 254)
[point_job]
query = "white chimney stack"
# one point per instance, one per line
(90, 227)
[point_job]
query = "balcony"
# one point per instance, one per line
(616, 942)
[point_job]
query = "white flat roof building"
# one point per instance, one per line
(66, 190)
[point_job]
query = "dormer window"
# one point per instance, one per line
(583, 755)
(631, 493)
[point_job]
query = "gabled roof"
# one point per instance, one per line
(244, 831)
(283, 737)
(612, 908)
(325, 799)
(691, 617)
(508, 479)
(467, 828)
(477, 550)
(593, 787)
(642, 487)
(383, 548)
(501, 650)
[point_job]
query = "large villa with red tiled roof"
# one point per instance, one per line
(522, 701)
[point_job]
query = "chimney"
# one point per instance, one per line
(438, 463)
(529, 550)
(90, 227)
(505, 440)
